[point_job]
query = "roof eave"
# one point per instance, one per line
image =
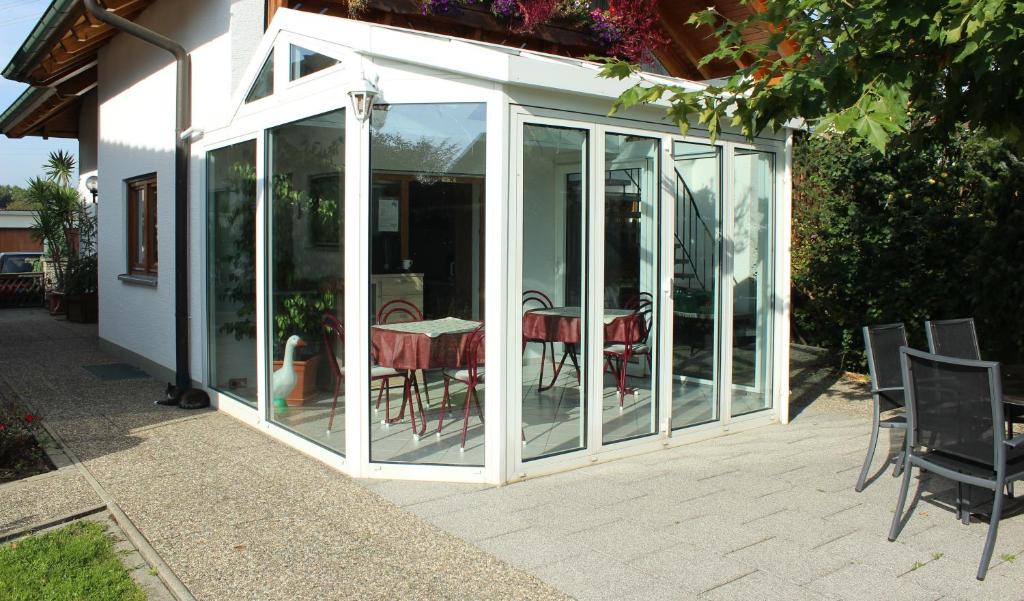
(22, 106)
(51, 26)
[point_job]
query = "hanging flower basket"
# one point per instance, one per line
(629, 29)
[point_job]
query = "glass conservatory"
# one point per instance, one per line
(432, 258)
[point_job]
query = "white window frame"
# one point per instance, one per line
(326, 91)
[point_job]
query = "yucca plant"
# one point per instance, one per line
(58, 207)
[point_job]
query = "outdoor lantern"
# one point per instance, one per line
(92, 183)
(362, 98)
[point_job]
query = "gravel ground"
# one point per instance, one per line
(44, 498)
(235, 514)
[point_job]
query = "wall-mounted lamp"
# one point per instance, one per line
(362, 98)
(92, 184)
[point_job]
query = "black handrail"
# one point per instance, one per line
(699, 239)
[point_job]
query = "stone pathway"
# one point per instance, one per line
(758, 515)
(235, 514)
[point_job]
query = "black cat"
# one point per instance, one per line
(193, 398)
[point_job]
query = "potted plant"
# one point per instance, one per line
(81, 280)
(58, 209)
(301, 314)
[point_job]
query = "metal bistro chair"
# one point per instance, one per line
(955, 407)
(617, 355)
(334, 330)
(882, 344)
(543, 301)
(471, 375)
(402, 311)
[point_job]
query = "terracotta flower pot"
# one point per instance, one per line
(305, 385)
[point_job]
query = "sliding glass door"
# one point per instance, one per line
(753, 185)
(589, 287)
(306, 277)
(697, 202)
(555, 211)
(629, 335)
(231, 269)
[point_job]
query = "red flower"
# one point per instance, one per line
(3, 427)
(30, 418)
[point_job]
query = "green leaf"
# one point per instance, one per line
(968, 49)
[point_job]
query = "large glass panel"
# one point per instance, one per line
(698, 198)
(754, 184)
(305, 257)
(231, 269)
(264, 84)
(554, 259)
(426, 286)
(631, 189)
(303, 62)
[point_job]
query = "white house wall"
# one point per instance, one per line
(88, 125)
(136, 137)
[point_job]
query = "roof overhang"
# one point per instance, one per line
(58, 61)
(60, 53)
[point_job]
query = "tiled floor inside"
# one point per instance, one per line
(552, 416)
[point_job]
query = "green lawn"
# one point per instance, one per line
(76, 562)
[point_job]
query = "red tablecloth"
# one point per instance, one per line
(427, 344)
(562, 324)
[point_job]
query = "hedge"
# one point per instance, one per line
(919, 233)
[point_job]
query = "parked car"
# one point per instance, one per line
(19, 262)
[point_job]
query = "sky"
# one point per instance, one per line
(22, 158)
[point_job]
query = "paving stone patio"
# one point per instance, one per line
(763, 514)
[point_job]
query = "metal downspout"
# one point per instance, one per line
(182, 152)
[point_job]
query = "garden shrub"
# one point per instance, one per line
(919, 233)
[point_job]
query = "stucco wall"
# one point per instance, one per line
(136, 137)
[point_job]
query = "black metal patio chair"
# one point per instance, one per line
(958, 338)
(953, 338)
(955, 416)
(882, 344)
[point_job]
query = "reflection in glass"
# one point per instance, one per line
(752, 275)
(231, 201)
(630, 284)
(698, 197)
(303, 62)
(264, 84)
(428, 170)
(305, 252)
(554, 263)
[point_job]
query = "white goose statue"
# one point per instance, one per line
(283, 380)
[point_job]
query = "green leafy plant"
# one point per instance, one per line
(873, 69)
(65, 225)
(237, 284)
(301, 314)
(82, 271)
(20, 453)
(919, 233)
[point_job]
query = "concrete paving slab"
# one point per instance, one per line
(765, 514)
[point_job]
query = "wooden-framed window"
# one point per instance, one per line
(142, 229)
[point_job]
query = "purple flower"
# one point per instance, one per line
(604, 28)
(505, 8)
(439, 7)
